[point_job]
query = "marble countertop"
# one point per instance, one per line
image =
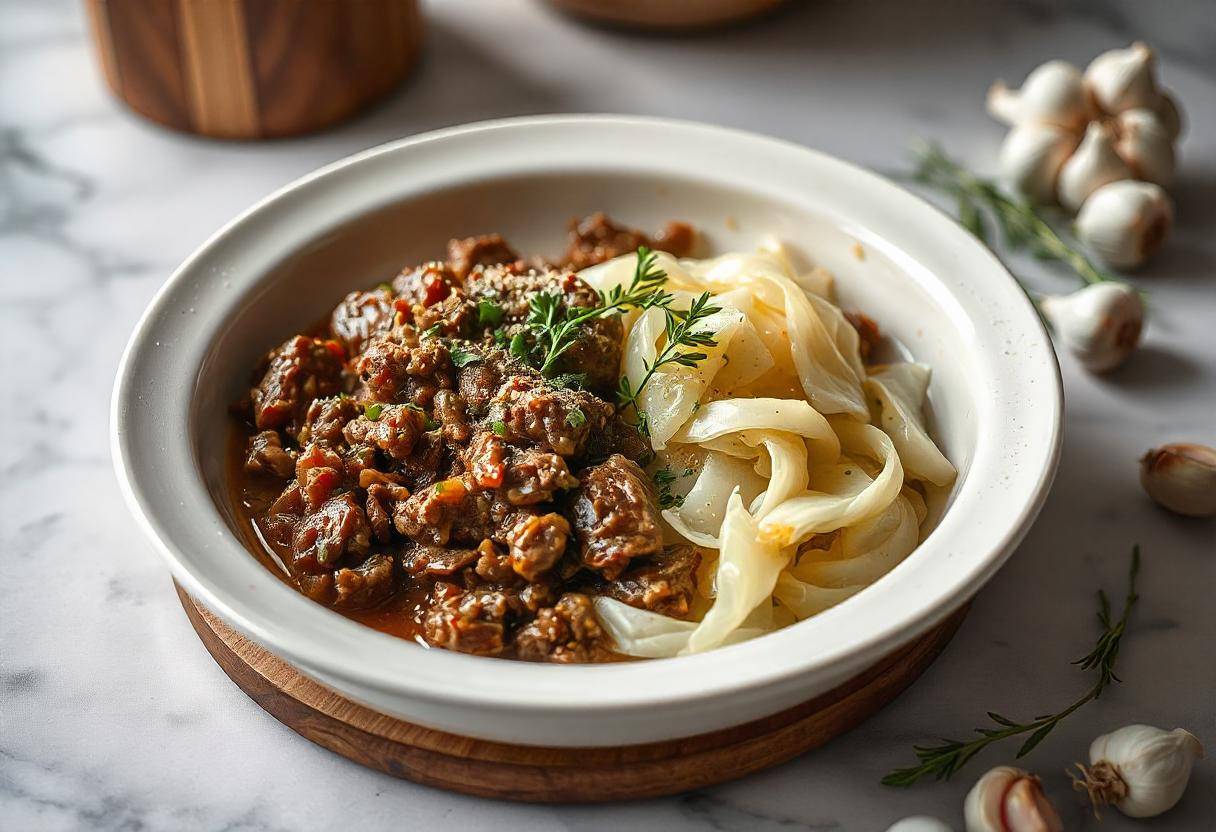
(113, 716)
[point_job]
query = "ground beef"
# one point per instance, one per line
(615, 516)
(553, 417)
(360, 317)
(324, 537)
(466, 254)
(566, 632)
(870, 336)
(362, 587)
(265, 455)
(596, 238)
(662, 583)
(301, 370)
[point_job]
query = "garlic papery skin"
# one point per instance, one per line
(1100, 324)
(1125, 222)
(1007, 799)
(1094, 164)
(1123, 78)
(1167, 111)
(1054, 94)
(1031, 158)
(1142, 770)
(1181, 477)
(1143, 142)
(919, 823)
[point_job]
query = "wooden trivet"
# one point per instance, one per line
(555, 775)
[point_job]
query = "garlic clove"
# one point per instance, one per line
(1182, 478)
(1054, 94)
(1094, 164)
(1145, 144)
(1141, 769)
(1100, 324)
(1123, 78)
(1008, 799)
(1167, 111)
(1125, 222)
(1031, 157)
(919, 823)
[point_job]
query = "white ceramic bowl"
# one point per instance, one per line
(285, 262)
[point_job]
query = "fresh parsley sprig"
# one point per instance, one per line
(1022, 226)
(944, 759)
(681, 348)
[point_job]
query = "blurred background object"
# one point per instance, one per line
(667, 14)
(253, 69)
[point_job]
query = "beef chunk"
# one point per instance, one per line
(352, 589)
(596, 238)
(537, 542)
(326, 418)
(615, 516)
(553, 417)
(452, 417)
(620, 437)
(870, 336)
(266, 455)
(299, 371)
(319, 471)
(565, 632)
(534, 476)
(468, 622)
(477, 384)
(395, 429)
(425, 285)
(427, 516)
(360, 317)
(436, 560)
(663, 583)
(382, 496)
(394, 372)
(487, 250)
(324, 537)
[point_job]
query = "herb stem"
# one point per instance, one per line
(943, 760)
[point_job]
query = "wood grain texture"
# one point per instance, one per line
(555, 775)
(248, 69)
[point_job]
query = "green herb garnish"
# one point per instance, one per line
(372, 411)
(944, 759)
(663, 480)
(462, 357)
(384, 286)
(433, 331)
(576, 418)
(499, 427)
(489, 313)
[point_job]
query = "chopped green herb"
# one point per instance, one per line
(572, 381)
(433, 331)
(430, 424)
(688, 472)
(576, 418)
(499, 427)
(519, 346)
(663, 480)
(384, 286)
(462, 357)
(372, 411)
(489, 313)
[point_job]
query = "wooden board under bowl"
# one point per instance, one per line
(546, 774)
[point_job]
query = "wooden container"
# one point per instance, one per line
(667, 14)
(254, 69)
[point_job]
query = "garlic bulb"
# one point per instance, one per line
(1099, 324)
(1182, 478)
(1141, 769)
(1123, 78)
(1007, 799)
(919, 823)
(1094, 164)
(1171, 117)
(1031, 158)
(1143, 142)
(1054, 94)
(1125, 222)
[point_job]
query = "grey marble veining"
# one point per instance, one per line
(112, 715)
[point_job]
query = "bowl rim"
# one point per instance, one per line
(326, 643)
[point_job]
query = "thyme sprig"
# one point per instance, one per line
(944, 759)
(682, 347)
(554, 325)
(1021, 224)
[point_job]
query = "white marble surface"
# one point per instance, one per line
(114, 717)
